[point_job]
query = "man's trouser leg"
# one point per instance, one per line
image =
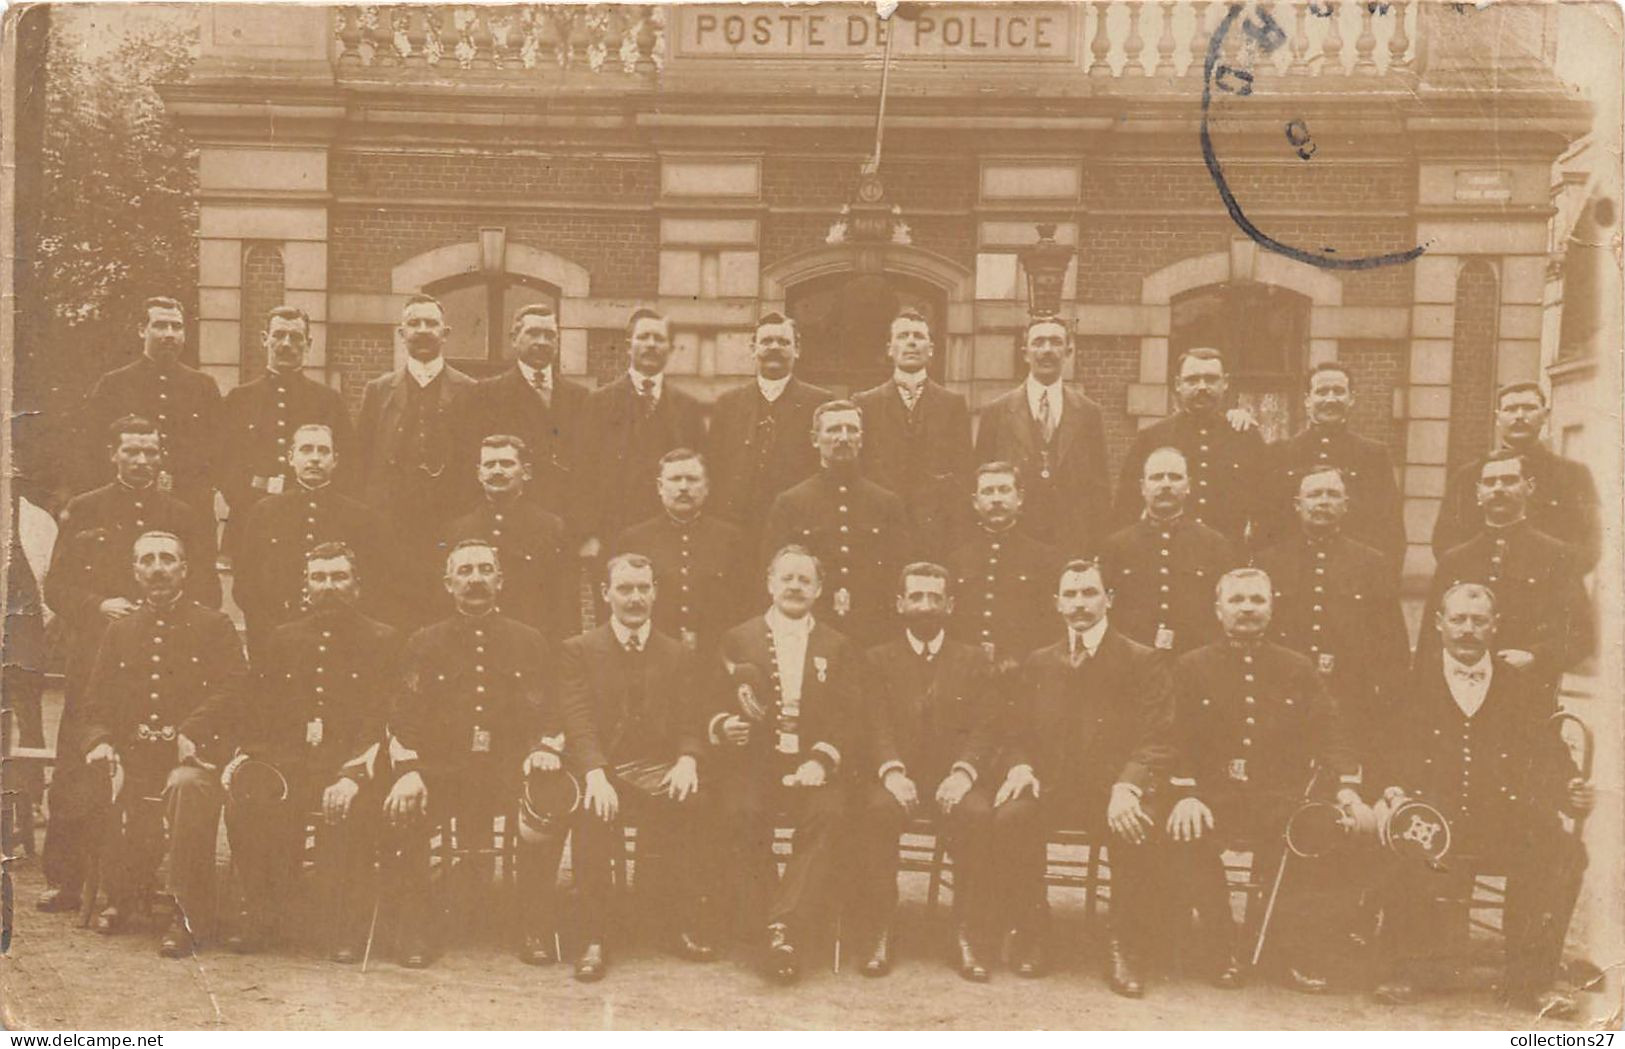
(752, 872)
(1020, 833)
(815, 813)
(192, 809)
(879, 820)
(969, 831)
(1196, 868)
(1544, 874)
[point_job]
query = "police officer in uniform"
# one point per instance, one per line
(696, 556)
(315, 711)
(856, 528)
(166, 681)
(471, 720)
(1001, 573)
(1161, 569)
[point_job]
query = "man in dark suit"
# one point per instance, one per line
(917, 438)
(1001, 574)
(1090, 734)
(1503, 809)
(532, 401)
(1375, 516)
(634, 735)
(931, 724)
(315, 711)
(700, 562)
(183, 402)
(1224, 461)
(259, 419)
(1056, 437)
(791, 686)
(758, 446)
(626, 427)
(1563, 502)
(160, 698)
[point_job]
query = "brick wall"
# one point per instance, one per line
(544, 177)
(358, 352)
(1105, 366)
(1472, 362)
(1379, 367)
(262, 290)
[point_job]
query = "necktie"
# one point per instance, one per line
(1046, 417)
(1080, 651)
(633, 647)
(543, 388)
(1470, 675)
(911, 396)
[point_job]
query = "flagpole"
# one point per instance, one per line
(873, 164)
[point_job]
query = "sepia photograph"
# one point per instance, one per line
(911, 516)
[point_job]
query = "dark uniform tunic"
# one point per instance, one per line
(1564, 504)
(1065, 477)
(1376, 515)
(1224, 466)
(621, 441)
(259, 420)
(538, 586)
(757, 449)
(182, 402)
(702, 574)
(923, 455)
(509, 404)
(1004, 587)
(1162, 577)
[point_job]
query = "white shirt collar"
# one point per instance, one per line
(915, 382)
(1090, 638)
(1469, 696)
(424, 372)
(780, 623)
(921, 647)
(530, 374)
(772, 389)
(1036, 391)
(622, 632)
(638, 379)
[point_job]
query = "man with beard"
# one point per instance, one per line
(1374, 511)
(792, 688)
(1161, 569)
(1546, 625)
(1089, 734)
(1224, 461)
(533, 402)
(90, 586)
(529, 540)
(183, 402)
(626, 427)
(260, 417)
(933, 722)
(1001, 573)
(1336, 602)
(269, 582)
(918, 438)
(856, 528)
(633, 735)
(471, 721)
(316, 711)
(1056, 437)
(166, 679)
(696, 557)
(757, 446)
(1563, 497)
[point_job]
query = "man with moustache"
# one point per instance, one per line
(1563, 496)
(856, 528)
(269, 582)
(697, 557)
(1224, 461)
(471, 721)
(633, 734)
(790, 684)
(1056, 437)
(918, 441)
(1001, 573)
(90, 586)
(1162, 568)
(529, 540)
(315, 710)
(181, 401)
(931, 724)
(1089, 747)
(1375, 512)
(757, 446)
(626, 427)
(259, 419)
(160, 697)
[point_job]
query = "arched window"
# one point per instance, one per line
(1263, 332)
(478, 309)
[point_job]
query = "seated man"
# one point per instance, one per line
(316, 713)
(470, 722)
(164, 681)
(633, 736)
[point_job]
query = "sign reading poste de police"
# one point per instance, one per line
(1006, 31)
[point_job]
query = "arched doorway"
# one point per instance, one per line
(1263, 332)
(845, 321)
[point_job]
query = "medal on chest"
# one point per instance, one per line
(313, 732)
(842, 601)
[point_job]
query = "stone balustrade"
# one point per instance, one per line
(518, 38)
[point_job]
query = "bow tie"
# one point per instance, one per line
(1471, 675)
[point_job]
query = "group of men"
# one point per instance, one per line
(970, 630)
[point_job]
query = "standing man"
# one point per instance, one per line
(181, 401)
(633, 733)
(625, 429)
(918, 438)
(790, 685)
(1375, 513)
(1224, 462)
(1089, 749)
(758, 447)
(1161, 569)
(857, 529)
(260, 417)
(1001, 573)
(932, 725)
(1056, 437)
(1563, 502)
(697, 557)
(160, 698)
(316, 711)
